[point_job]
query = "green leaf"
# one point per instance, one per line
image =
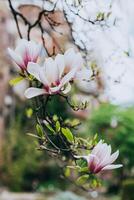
(84, 169)
(94, 183)
(82, 163)
(75, 122)
(68, 134)
(29, 112)
(96, 136)
(33, 135)
(100, 16)
(67, 172)
(16, 80)
(82, 179)
(55, 118)
(39, 130)
(72, 122)
(57, 126)
(73, 167)
(49, 127)
(31, 77)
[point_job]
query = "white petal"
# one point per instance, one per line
(73, 60)
(68, 77)
(38, 72)
(105, 155)
(97, 147)
(55, 89)
(109, 167)
(33, 50)
(17, 58)
(78, 61)
(69, 54)
(102, 155)
(69, 58)
(114, 156)
(34, 69)
(33, 92)
(22, 49)
(21, 46)
(52, 72)
(43, 77)
(59, 59)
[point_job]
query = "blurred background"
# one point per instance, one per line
(104, 33)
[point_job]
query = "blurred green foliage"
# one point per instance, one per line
(21, 160)
(25, 168)
(127, 189)
(57, 106)
(116, 126)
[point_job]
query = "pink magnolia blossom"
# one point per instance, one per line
(101, 159)
(52, 77)
(25, 52)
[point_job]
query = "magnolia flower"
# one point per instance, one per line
(25, 52)
(100, 158)
(52, 77)
(74, 60)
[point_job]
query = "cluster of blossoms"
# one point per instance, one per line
(56, 75)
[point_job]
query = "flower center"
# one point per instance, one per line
(46, 88)
(56, 83)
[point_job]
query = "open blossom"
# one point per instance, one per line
(25, 52)
(52, 77)
(101, 159)
(75, 60)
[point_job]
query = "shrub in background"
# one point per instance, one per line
(116, 125)
(128, 189)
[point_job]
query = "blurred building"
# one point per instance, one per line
(6, 40)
